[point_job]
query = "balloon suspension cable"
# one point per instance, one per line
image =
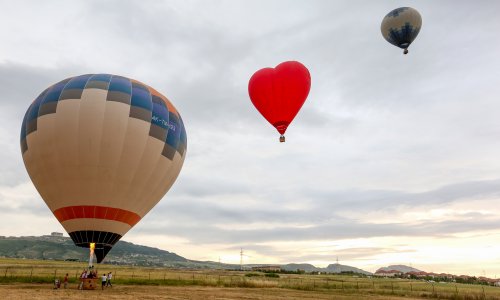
(91, 258)
(406, 51)
(282, 138)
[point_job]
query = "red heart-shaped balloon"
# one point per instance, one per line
(279, 93)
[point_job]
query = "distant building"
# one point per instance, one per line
(58, 234)
(71, 259)
(269, 268)
(418, 274)
(487, 280)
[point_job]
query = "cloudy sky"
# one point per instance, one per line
(393, 159)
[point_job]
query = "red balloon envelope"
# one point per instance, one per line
(279, 93)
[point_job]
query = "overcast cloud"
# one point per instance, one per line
(390, 156)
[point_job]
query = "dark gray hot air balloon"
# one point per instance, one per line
(401, 26)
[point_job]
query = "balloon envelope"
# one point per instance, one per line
(102, 150)
(401, 26)
(279, 93)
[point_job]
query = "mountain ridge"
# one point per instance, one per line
(331, 268)
(400, 268)
(62, 248)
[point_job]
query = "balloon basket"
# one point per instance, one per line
(88, 283)
(282, 139)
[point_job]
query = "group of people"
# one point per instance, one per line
(57, 282)
(105, 278)
(88, 274)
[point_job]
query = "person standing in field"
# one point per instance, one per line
(82, 278)
(57, 283)
(108, 283)
(104, 278)
(65, 281)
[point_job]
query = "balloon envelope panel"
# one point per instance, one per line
(102, 150)
(401, 26)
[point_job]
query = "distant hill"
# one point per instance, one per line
(62, 248)
(338, 268)
(305, 267)
(400, 268)
(332, 268)
(41, 248)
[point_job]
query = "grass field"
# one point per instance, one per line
(39, 291)
(21, 279)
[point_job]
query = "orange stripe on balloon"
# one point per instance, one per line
(96, 212)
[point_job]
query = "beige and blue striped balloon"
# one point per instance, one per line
(102, 150)
(401, 26)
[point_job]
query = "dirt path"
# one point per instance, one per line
(44, 291)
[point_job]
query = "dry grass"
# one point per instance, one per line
(44, 291)
(21, 277)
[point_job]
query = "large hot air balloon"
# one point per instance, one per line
(102, 150)
(401, 26)
(279, 93)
